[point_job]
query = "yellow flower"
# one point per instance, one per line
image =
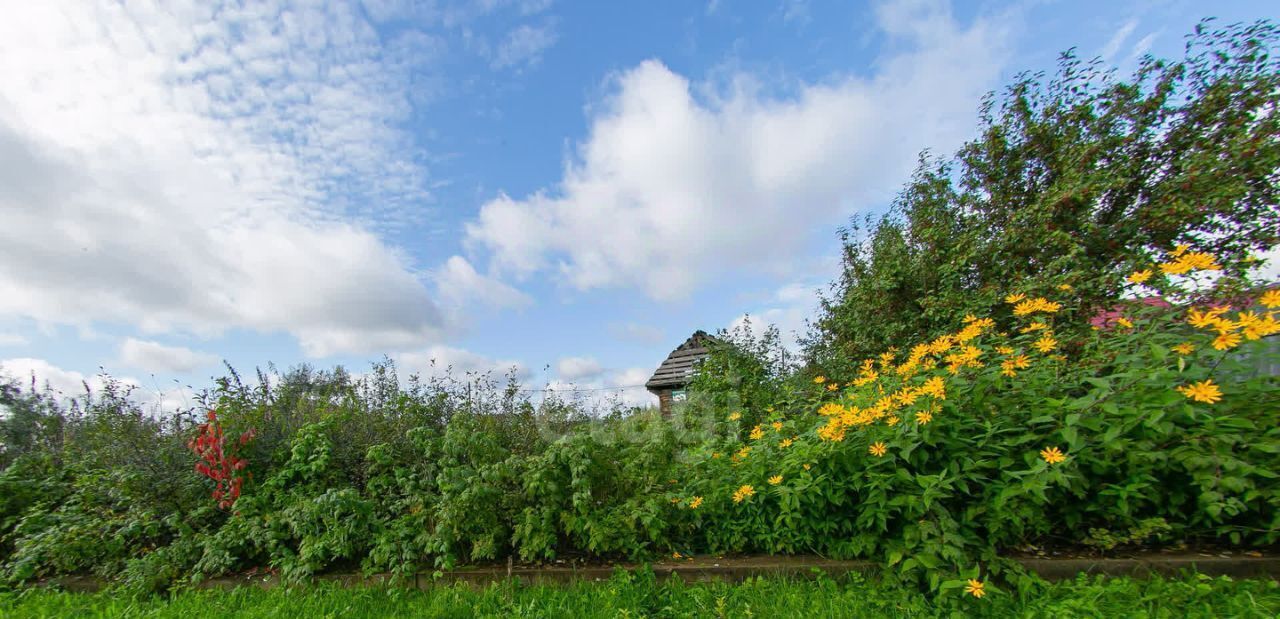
(1201, 320)
(1200, 261)
(1035, 326)
(1064, 287)
(818, 380)
(777, 425)
(743, 493)
(1179, 249)
(1046, 343)
(832, 387)
(715, 455)
(734, 416)
(786, 442)
(1124, 322)
(1270, 298)
(775, 480)
(1175, 268)
(1052, 455)
(742, 453)
(1138, 277)
(1203, 391)
(923, 417)
(974, 588)
(878, 449)
(1014, 298)
(756, 433)
(934, 387)
(675, 500)
(1004, 350)
(1184, 348)
(968, 318)
(1226, 341)
(675, 555)
(892, 420)
(1038, 304)
(806, 466)
(695, 502)
(829, 409)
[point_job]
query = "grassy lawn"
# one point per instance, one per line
(624, 596)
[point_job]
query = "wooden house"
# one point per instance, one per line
(674, 374)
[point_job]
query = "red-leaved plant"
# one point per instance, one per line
(218, 460)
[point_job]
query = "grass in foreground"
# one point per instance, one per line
(640, 596)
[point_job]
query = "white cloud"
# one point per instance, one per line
(156, 357)
(669, 190)
(436, 360)
(461, 289)
(524, 46)
(206, 166)
(70, 384)
(634, 332)
(1113, 45)
(12, 339)
(578, 368)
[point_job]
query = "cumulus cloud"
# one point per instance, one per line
(205, 165)
(670, 189)
(578, 368)
(156, 357)
(462, 290)
(70, 384)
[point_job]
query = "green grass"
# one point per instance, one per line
(641, 596)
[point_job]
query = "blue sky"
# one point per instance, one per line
(570, 188)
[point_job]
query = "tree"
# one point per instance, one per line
(1071, 182)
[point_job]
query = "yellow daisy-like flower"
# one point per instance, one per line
(1046, 343)
(1035, 326)
(786, 442)
(756, 433)
(1124, 323)
(1226, 341)
(1175, 268)
(975, 588)
(695, 502)
(1004, 350)
(878, 449)
(1184, 348)
(675, 500)
(968, 318)
(1179, 249)
(715, 455)
(1052, 455)
(1203, 391)
(1201, 320)
(1270, 298)
(934, 387)
(734, 416)
(777, 425)
(818, 380)
(742, 493)
(892, 420)
(1138, 277)
(923, 417)
(775, 480)
(1014, 298)
(829, 409)
(1200, 261)
(832, 387)
(807, 466)
(675, 555)
(1065, 287)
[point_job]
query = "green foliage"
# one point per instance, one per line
(639, 595)
(1073, 182)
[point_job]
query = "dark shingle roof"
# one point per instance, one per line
(677, 370)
